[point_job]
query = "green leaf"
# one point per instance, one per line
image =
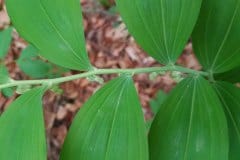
(158, 101)
(31, 65)
(106, 3)
(5, 41)
(54, 27)
(155, 104)
(7, 92)
(35, 67)
(230, 97)
(4, 76)
(190, 124)
(110, 126)
(232, 76)
(22, 132)
(216, 35)
(161, 27)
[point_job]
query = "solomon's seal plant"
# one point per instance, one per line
(198, 120)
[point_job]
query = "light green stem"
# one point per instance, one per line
(95, 72)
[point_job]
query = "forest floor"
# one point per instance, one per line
(109, 46)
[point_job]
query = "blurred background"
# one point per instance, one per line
(109, 46)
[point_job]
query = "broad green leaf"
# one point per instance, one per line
(7, 92)
(4, 78)
(110, 126)
(216, 35)
(190, 125)
(22, 132)
(155, 104)
(232, 76)
(5, 41)
(161, 27)
(32, 65)
(54, 27)
(158, 101)
(230, 97)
